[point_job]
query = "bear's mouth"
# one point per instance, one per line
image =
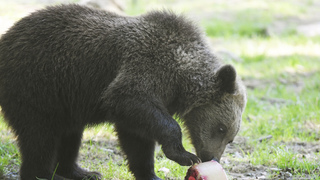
(207, 156)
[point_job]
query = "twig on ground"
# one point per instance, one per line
(265, 138)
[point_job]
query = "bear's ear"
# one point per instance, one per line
(226, 77)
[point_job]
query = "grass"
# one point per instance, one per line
(283, 158)
(282, 74)
(9, 155)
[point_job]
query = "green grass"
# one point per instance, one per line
(9, 155)
(293, 78)
(249, 23)
(282, 71)
(283, 158)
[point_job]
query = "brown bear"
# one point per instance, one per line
(65, 67)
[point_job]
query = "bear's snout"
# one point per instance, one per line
(206, 155)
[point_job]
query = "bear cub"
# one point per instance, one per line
(66, 67)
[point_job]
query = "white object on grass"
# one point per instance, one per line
(210, 170)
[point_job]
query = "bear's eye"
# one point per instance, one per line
(219, 130)
(222, 130)
(230, 142)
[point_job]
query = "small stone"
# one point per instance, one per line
(264, 173)
(226, 162)
(164, 170)
(275, 169)
(237, 155)
(107, 150)
(248, 174)
(287, 174)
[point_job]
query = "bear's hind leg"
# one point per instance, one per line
(140, 154)
(38, 149)
(67, 156)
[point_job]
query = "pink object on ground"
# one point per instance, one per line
(210, 170)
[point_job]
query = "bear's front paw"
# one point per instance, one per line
(180, 155)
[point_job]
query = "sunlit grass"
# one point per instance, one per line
(273, 46)
(282, 157)
(9, 154)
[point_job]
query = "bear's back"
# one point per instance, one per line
(65, 57)
(59, 58)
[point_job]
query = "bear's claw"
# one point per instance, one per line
(181, 156)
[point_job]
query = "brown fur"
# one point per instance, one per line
(68, 66)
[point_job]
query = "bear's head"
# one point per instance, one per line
(215, 123)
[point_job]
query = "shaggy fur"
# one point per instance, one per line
(66, 67)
